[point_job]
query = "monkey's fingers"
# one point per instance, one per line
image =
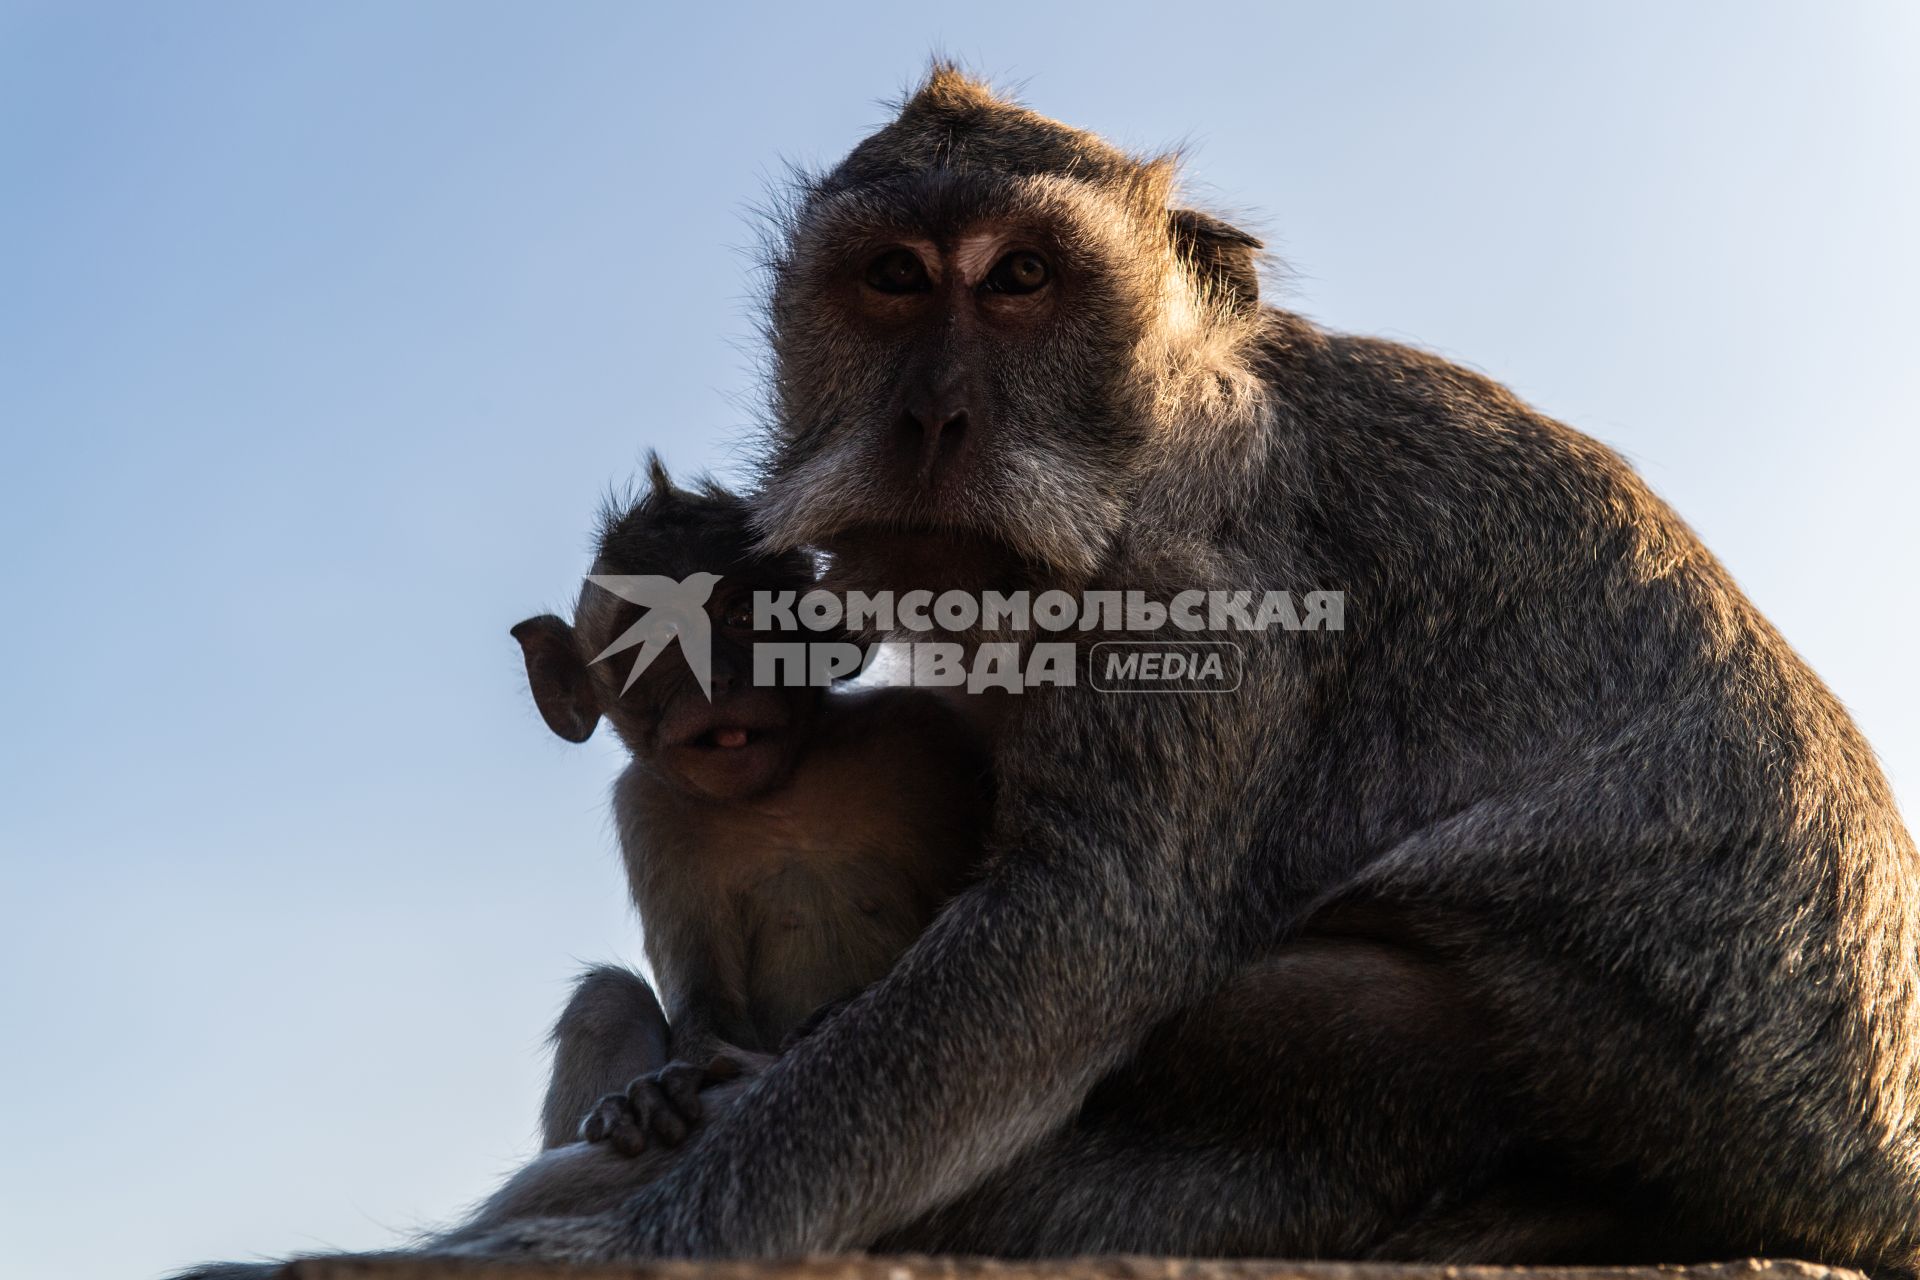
(593, 1125)
(598, 1122)
(667, 1101)
(612, 1121)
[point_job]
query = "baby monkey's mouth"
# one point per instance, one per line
(740, 733)
(731, 749)
(729, 738)
(748, 722)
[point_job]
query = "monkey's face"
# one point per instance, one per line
(739, 743)
(974, 324)
(671, 546)
(954, 385)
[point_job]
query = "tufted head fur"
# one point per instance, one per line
(948, 425)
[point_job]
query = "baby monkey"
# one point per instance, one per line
(783, 844)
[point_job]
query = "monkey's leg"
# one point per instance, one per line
(1325, 1098)
(611, 1031)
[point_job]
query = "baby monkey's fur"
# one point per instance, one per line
(783, 844)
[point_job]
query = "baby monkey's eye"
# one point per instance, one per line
(1021, 271)
(898, 271)
(739, 615)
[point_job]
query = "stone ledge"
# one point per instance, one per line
(904, 1268)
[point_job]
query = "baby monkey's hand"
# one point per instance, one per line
(661, 1107)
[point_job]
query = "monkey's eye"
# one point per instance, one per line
(1022, 271)
(739, 616)
(898, 271)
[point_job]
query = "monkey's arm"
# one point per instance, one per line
(1105, 908)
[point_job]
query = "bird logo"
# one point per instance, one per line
(672, 609)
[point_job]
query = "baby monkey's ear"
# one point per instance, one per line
(562, 685)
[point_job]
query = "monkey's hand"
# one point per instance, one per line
(661, 1108)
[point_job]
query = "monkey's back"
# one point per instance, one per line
(1559, 743)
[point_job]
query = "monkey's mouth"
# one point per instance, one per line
(734, 749)
(730, 738)
(734, 725)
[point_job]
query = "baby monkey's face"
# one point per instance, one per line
(661, 564)
(739, 743)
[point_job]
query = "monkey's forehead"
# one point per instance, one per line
(947, 205)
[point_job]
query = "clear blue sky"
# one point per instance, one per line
(323, 327)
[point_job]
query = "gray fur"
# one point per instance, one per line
(1553, 910)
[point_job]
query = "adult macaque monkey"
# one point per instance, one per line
(1552, 910)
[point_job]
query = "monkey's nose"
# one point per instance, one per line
(932, 438)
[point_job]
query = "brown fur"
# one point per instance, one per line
(1554, 909)
(766, 891)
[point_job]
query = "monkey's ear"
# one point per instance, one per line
(562, 686)
(1222, 255)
